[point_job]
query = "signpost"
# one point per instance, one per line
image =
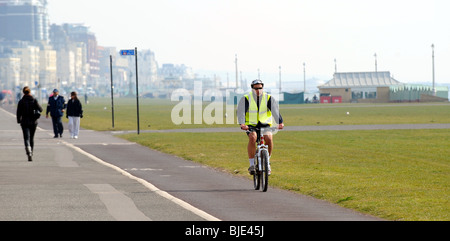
(112, 89)
(132, 52)
(127, 52)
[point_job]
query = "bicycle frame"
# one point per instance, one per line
(260, 145)
(260, 177)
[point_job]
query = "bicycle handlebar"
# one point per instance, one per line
(263, 128)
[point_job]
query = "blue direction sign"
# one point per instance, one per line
(127, 52)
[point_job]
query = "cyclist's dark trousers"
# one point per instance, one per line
(57, 125)
(28, 135)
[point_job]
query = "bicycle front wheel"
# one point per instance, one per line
(256, 176)
(256, 180)
(264, 176)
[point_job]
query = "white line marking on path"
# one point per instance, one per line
(121, 207)
(150, 186)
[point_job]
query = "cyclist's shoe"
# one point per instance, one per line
(270, 171)
(251, 170)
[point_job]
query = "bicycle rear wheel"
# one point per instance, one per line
(264, 173)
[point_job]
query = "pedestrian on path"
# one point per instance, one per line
(56, 106)
(28, 112)
(74, 113)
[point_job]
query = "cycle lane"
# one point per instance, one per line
(222, 195)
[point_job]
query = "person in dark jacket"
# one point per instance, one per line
(56, 106)
(27, 119)
(74, 113)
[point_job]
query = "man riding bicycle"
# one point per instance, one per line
(258, 109)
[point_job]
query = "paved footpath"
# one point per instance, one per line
(102, 177)
(65, 183)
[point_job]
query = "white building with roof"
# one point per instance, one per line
(360, 86)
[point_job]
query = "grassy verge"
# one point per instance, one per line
(396, 175)
(156, 114)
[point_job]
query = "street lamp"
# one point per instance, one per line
(335, 65)
(434, 88)
(280, 78)
(304, 77)
(376, 64)
(237, 74)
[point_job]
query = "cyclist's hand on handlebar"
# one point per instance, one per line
(280, 126)
(244, 127)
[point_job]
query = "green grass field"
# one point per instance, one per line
(392, 174)
(156, 114)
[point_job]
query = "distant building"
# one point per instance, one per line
(78, 58)
(376, 87)
(360, 86)
(29, 56)
(25, 20)
(9, 70)
(47, 66)
(148, 69)
(174, 76)
(104, 54)
(81, 34)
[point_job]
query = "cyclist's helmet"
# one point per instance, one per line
(257, 81)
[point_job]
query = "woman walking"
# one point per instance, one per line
(27, 118)
(74, 113)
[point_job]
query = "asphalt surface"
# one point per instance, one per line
(63, 183)
(102, 177)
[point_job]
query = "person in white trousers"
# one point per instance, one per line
(74, 113)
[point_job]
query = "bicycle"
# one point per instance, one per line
(261, 174)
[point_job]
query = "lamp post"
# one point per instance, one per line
(112, 89)
(237, 74)
(376, 64)
(280, 78)
(304, 77)
(335, 65)
(434, 88)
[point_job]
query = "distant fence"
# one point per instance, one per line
(289, 98)
(414, 93)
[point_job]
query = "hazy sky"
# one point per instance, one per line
(266, 34)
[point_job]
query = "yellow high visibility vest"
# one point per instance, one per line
(253, 116)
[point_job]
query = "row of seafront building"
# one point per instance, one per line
(35, 53)
(44, 56)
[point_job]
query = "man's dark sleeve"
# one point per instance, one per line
(19, 112)
(37, 106)
(81, 108)
(242, 109)
(48, 107)
(64, 105)
(274, 107)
